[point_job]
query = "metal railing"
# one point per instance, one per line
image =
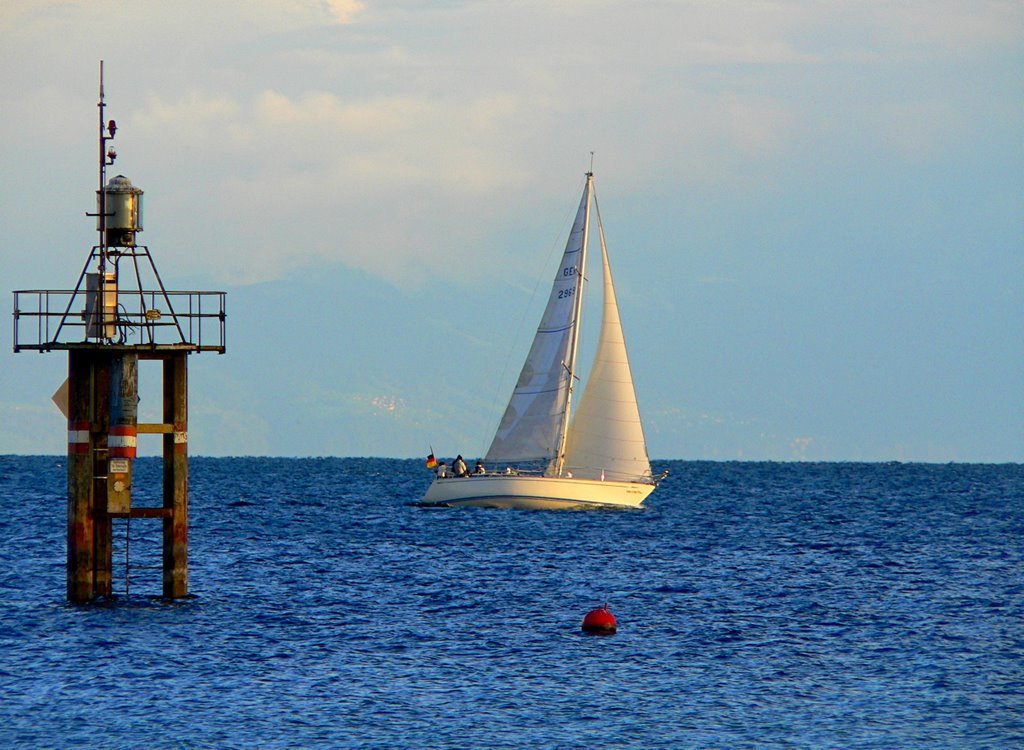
(48, 319)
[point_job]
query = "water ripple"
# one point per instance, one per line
(759, 605)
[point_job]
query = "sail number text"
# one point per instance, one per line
(566, 293)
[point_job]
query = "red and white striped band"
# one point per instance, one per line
(121, 441)
(78, 437)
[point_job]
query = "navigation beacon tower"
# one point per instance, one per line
(118, 314)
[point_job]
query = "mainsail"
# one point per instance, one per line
(606, 438)
(532, 426)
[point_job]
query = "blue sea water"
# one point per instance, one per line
(759, 606)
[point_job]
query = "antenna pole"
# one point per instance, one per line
(103, 182)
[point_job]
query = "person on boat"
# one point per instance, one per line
(442, 471)
(479, 469)
(459, 466)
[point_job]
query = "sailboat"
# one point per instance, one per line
(543, 454)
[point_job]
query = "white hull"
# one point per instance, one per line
(534, 492)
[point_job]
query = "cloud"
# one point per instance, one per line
(343, 11)
(291, 133)
(390, 184)
(282, 15)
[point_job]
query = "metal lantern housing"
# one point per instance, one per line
(121, 205)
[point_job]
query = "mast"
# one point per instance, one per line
(570, 366)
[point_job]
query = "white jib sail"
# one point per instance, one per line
(530, 427)
(606, 438)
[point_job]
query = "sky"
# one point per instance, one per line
(813, 212)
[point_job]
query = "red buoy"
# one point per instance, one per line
(599, 620)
